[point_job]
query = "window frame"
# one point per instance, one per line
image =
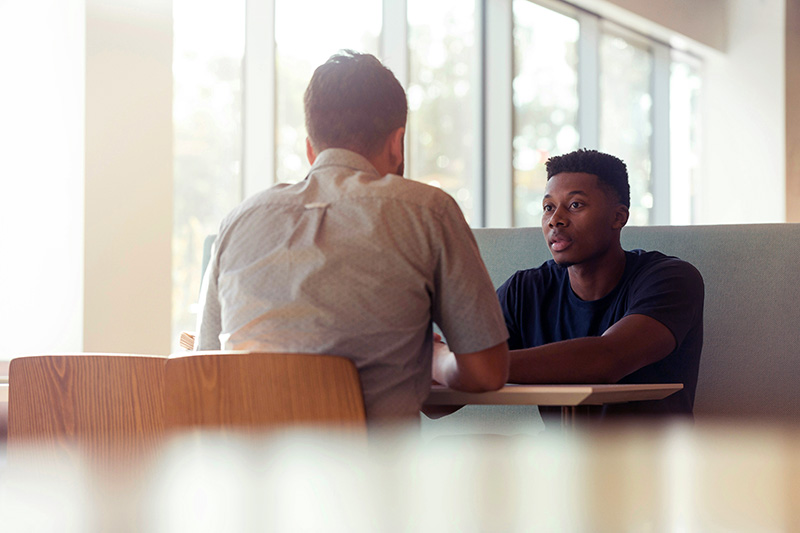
(492, 181)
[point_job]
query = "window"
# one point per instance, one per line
(626, 70)
(207, 117)
(302, 43)
(442, 136)
(685, 87)
(545, 89)
(494, 89)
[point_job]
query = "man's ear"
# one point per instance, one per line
(395, 145)
(310, 153)
(621, 215)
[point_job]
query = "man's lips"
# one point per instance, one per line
(559, 243)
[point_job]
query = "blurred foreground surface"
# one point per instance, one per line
(676, 478)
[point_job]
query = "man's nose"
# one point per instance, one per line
(558, 218)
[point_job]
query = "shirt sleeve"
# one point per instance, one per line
(209, 316)
(465, 305)
(672, 292)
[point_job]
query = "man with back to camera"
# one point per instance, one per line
(596, 313)
(355, 260)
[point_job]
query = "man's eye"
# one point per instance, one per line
(575, 205)
(547, 208)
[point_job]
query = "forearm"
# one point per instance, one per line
(630, 344)
(583, 360)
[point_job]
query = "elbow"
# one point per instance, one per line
(498, 380)
(488, 383)
(496, 376)
(481, 371)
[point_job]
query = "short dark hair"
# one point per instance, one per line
(610, 170)
(353, 102)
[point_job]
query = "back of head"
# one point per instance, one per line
(353, 102)
(610, 170)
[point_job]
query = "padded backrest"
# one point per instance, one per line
(751, 351)
(103, 406)
(253, 392)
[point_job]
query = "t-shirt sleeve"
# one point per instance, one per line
(672, 292)
(465, 305)
(507, 296)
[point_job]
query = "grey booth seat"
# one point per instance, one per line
(750, 363)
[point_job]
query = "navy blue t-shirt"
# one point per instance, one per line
(540, 307)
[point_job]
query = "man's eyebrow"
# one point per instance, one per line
(570, 193)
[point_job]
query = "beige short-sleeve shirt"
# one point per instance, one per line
(351, 263)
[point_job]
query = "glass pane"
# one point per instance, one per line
(441, 131)
(307, 33)
(545, 92)
(625, 115)
(685, 87)
(207, 106)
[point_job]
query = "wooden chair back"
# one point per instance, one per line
(253, 392)
(106, 407)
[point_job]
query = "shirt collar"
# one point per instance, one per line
(341, 157)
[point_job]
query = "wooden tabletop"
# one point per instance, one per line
(561, 395)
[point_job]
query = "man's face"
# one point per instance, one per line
(581, 219)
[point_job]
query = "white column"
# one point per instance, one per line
(128, 182)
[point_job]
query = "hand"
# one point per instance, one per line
(438, 411)
(440, 348)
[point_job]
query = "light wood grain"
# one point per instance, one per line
(105, 407)
(557, 395)
(254, 392)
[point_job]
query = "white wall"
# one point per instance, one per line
(85, 176)
(41, 175)
(745, 109)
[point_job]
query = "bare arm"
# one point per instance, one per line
(481, 371)
(628, 345)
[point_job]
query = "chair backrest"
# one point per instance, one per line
(106, 407)
(254, 392)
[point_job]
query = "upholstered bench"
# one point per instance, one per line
(750, 365)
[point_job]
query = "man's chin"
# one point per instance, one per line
(563, 264)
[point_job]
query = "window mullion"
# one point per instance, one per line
(660, 169)
(394, 39)
(589, 81)
(498, 115)
(258, 100)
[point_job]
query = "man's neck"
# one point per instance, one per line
(595, 279)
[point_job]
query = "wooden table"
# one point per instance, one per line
(568, 397)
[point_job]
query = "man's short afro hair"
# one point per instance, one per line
(610, 170)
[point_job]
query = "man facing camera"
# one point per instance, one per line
(596, 313)
(355, 260)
